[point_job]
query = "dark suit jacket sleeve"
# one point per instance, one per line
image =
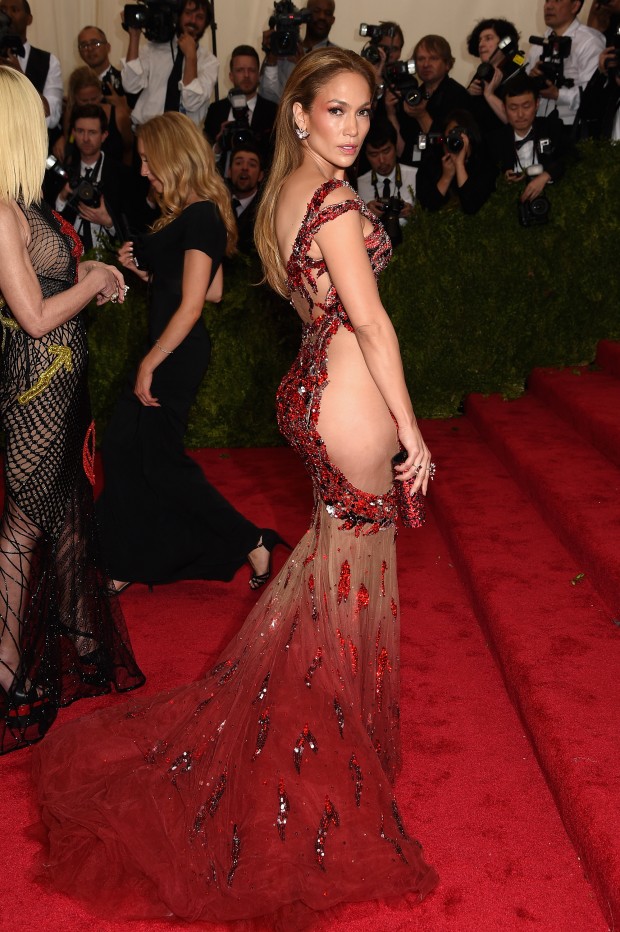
(479, 186)
(427, 176)
(216, 115)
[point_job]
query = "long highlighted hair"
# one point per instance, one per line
(23, 138)
(183, 161)
(313, 71)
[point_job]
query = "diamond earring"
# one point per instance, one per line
(301, 133)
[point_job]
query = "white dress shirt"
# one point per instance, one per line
(150, 72)
(52, 89)
(587, 45)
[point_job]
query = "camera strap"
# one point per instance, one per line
(398, 181)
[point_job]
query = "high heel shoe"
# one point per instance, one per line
(29, 711)
(116, 590)
(269, 539)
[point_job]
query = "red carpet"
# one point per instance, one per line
(472, 789)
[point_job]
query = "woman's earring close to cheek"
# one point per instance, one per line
(301, 133)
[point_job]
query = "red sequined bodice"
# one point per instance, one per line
(299, 395)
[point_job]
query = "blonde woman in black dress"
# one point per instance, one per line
(160, 519)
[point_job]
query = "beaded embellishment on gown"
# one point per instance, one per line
(265, 788)
(57, 625)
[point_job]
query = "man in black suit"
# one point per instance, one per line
(261, 113)
(245, 176)
(41, 68)
(529, 146)
(440, 95)
(108, 211)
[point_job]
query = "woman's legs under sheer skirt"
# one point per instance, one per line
(264, 789)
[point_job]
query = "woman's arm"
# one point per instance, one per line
(196, 275)
(216, 288)
(342, 244)
(21, 290)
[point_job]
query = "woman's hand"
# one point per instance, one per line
(417, 466)
(489, 87)
(142, 387)
(112, 286)
(126, 259)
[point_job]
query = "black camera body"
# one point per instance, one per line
(400, 78)
(374, 34)
(9, 41)
(390, 218)
(237, 132)
(534, 213)
(555, 50)
(157, 19)
(285, 22)
(453, 140)
(507, 57)
(88, 192)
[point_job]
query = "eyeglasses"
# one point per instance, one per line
(93, 44)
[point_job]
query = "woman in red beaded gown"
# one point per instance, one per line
(264, 791)
(61, 637)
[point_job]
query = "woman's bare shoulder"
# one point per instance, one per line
(12, 221)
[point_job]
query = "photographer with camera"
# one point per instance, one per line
(439, 95)
(173, 71)
(388, 188)
(570, 53)
(283, 46)
(456, 167)
(228, 125)
(604, 15)
(496, 43)
(95, 194)
(599, 113)
(41, 68)
(530, 150)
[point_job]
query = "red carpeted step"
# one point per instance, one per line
(471, 788)
(556, 643)
(608, 357)
(589, 401)
(575, 488)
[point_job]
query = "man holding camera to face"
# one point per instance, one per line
(174, 73)
(564, 59)
(599, 113)
(319, 17)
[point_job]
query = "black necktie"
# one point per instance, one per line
(236, 204)
(86, 234)
(173, 91)
(386, 189)
(519, 143)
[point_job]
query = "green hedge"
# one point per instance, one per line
(477, 303)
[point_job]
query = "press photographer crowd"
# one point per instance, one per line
(432, 141)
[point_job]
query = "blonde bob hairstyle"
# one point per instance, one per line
(311, 74)
(182, 160)
(23, 138)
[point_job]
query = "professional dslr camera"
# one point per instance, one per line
(507, 57)
(399, 77)
(452, 141)
(157, 19)
(285, 22)
(237, 131)
(534, 213)
(555, 49)
(87, 192)
(374, 34)
(9, 42)
(390, 218)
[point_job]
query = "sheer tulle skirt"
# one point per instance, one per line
(265, 788)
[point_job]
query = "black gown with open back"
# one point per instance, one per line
(263, 790)
(58, 626)
(160, 519)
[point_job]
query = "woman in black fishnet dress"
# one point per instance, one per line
(61, 638)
